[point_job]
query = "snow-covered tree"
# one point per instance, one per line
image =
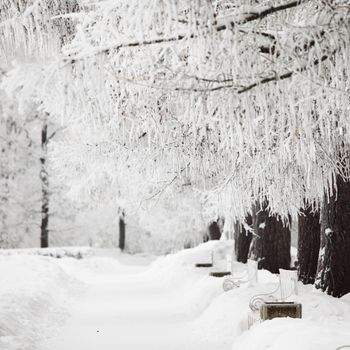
(218, 89)
(18, 167)
(249, 98)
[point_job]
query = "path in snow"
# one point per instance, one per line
(126, 311)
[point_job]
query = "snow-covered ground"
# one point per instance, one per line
(116, 301)
(34, 298)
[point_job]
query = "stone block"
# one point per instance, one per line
(270, 310)
(219, 274)
(204, 265)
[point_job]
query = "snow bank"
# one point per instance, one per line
(292, 334)
(100, 263)
(224, 315)
(33, 295)
(180, 267)
(59, 252)
(325, 325)
(33, 299)
(191, 286)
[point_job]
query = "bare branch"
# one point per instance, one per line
(283, 76)
(250, 18)
(264, 13)
(159, 192)
(54, 134)
(260, 82)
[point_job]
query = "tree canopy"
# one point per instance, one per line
(241, 100)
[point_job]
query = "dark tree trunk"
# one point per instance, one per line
(271, 244)
(5, 178)
(4, 199)
(243, 239)
(44, 227)
(122, 230)
(333, 274)
(214, 231)
(309, 232)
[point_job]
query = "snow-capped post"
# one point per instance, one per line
(229, 263)
(252, 267)
(122, 229)
(333, 275)
(272, 240)
(44, 177)
(288, 283)
(309, 235)
(209, 262)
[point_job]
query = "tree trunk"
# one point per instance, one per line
(243, 239)
(5, 176)
(122, 230)
(271, 242)
(44, 227)
(309, 231)
(214, 231)
(4, 199)
(333, 274)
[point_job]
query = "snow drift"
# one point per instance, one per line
(33, 295)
